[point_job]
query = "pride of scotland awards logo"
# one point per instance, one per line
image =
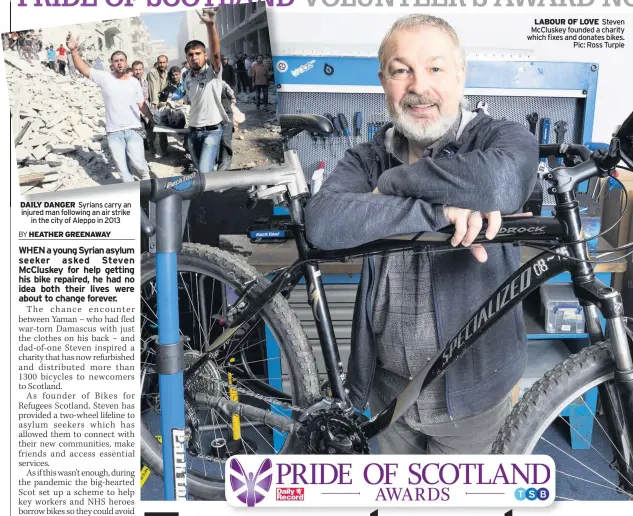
(250, 488)
(391, 481)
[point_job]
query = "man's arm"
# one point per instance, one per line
(501, 177)
(230, 93)
(80, 65)
(215, 57)
(345, 213)
(146, 113)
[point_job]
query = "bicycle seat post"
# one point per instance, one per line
(169, 352)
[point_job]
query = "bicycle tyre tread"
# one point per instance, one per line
(547, 393)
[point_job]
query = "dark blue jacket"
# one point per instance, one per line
(492, 166)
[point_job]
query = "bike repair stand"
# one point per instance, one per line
(169, 352)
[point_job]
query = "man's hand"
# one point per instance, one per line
(71, 42)
(468, 224)
(208, 15)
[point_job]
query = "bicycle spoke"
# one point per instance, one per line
(593, 447)
(583, 465)
(558, 472)
(613, 446)
(620, 421)
(203, 318)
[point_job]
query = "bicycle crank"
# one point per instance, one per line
(332, 432)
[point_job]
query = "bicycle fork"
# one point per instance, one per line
(617, 402)
(617, 396)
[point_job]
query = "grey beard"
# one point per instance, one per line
(422, 134)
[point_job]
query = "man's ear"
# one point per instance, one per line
(381, 77)
(462, 74)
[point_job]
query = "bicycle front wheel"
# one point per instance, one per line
(270, 350)
(538, 424)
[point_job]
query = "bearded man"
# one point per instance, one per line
(434, 165)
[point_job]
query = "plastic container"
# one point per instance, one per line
(562, 311)
(317, 177)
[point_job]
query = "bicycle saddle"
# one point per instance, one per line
(291, 125)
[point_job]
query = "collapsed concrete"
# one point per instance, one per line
(61, 132)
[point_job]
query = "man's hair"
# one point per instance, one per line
(422, 20)
(136, 63)
(162, 56)
(174, 69)
(194, 44)
(118, 53)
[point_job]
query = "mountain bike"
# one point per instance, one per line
(207, 366)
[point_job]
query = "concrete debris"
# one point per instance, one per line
(39, 152)
(66, 122)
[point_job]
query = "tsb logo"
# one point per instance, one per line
(531, 494)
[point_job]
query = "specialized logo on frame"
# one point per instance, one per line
(390, 481)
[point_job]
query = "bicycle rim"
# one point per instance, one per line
(563, 420)
(204, 299)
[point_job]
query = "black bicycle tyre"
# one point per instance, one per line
(281, 320)
(542, 403)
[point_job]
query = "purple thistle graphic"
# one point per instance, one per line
(239, 479)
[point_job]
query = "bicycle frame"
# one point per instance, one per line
(289, 184)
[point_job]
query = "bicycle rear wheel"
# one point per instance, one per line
(597, 473)
(209, 282)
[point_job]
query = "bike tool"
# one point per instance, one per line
(331, 136)
(315, 138)
(337, 126)
(482, 104)
(170, 358)
(544, 140)
(560, 128)
(358, 125)
(345, 128)
(532, 119)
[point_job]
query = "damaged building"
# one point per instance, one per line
(101, 39)
(242, 28)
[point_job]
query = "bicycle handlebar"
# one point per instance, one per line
(564, 150)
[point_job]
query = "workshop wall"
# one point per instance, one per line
(485, 37)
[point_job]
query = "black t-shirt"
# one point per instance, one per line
(228, 74)
(240, 65)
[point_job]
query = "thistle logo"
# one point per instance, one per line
(251, 489)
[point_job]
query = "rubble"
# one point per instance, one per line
(61, 120)
(61, 140)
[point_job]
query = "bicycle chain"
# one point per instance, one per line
(196, 423)
(261, 397)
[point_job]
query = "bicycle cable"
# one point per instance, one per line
(614, 225)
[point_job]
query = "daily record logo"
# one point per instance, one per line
(390, 481)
